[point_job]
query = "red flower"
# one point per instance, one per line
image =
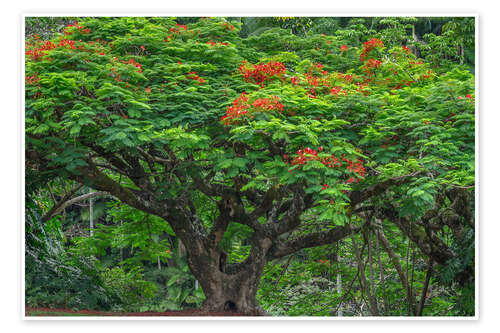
(343, 48)
(262, 72)
(369, 46)
(241, 106)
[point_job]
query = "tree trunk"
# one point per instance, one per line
(395, 261)
(426, 287)
(91, 215)
(226, 292)
(229, 287)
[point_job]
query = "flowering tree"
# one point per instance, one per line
(301, 140)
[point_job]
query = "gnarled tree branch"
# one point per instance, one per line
(311, 240)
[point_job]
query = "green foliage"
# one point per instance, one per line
(129, 286)
(55, 277)
(141, 233)
(180, 286)
(147, 108)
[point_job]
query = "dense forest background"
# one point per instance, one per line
(87, 250)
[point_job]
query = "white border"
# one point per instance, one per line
(247, 14)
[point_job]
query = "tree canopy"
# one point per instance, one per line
(297, 138)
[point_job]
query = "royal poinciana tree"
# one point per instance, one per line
(304, 140)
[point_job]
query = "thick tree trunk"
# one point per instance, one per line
(226, 292)
(229, 287)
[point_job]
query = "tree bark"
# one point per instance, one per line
(66, 201)
(229, 287)
(426, 287)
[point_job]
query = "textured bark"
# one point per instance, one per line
(226, 287)
(311, 240)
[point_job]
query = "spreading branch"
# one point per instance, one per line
(357, 197)
(311, 240)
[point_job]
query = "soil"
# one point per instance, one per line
(48, 312)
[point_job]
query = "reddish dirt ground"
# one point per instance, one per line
(183, 313)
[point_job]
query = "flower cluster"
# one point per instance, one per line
(194, 76)
(343, 48)
(406, 49)
(38, 50)
(81, 29)
(131, 61)
(268, 104)
(242, 106)
(317, 78)
(369, 46)
(32, 80)
(402, 83)
(236, 110)
(303, 156)
(468, 96)
(212, 43)
(69, 44)
(228, 26)
(426, 76)
(178, 30)
(316, 81)
(262, 72)
(336, 90)
(345, 77)
(370, 65)
(317, 68)
(37, 53)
